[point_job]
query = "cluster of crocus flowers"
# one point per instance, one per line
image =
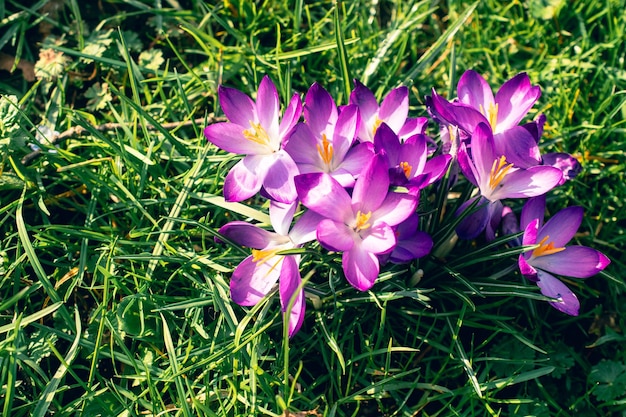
(354, 174)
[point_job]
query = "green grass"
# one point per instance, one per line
(114, 296)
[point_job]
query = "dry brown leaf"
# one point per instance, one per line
(7, 62)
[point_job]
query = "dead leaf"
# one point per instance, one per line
(7, 63)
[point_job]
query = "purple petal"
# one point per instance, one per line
(359, 156)
(483, 151)
(305, 228)
(436, 168)
(345, 131)
(360, 268)
(458, 114)
(289, 287)
(495, 215)
(344, 177)
(414, 150)
(474, 223)
(302, 147)
(372, 185)
(573, 261)
(535, 128)
(386, 140)
(396, 208)
(249, 235)
(466, 165)
(324, 195)
(562, 227)
(406, 250)
(335, 236)
(526, 269)
(565, 162)
(278, 182)
(230, 137)
(510, 225)
(251, 281)
(534, 208)
(267, 106)
(245, 178)
(413, 126)
(380, 238)
(238, 107)
(364, 99)
(395, 108)
(281, 215)
(529, 182)
(473, 90)
(554, 288)
(518, 146)
(515, 98)
(320, 109)
(291, 116)
(530, 235)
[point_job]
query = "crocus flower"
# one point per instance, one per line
(393, 110)
(255, 131)
(497, 179)
(256, 275)
(407, 161)
(361, 225)
(551, 256)
(476, 104)
(323, 143)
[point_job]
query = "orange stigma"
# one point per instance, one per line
(326, 150)
(545, 248)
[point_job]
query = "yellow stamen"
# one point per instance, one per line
(499, 170)
(263, 255)
(545, 249)
(326, 150)
(362, 220)
(257, 134)
(377, 124)
(491, 114)
(406, 168)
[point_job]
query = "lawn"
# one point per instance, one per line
(116, 268)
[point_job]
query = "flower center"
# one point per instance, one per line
(257, 134)
(362, 220)
(499, 170)
(263, 255)
(326, 150)
(545, 248)
(491, 114)
(406, 168)
(376, 125)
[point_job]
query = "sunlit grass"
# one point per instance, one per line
(114, 295)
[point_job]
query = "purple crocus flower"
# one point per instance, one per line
(361, 225)
(476, 104)
(255, 276)
(255, 131)
(323, 143)
(408, 164)
(551, 256)
(393, 111)
(497, 179)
